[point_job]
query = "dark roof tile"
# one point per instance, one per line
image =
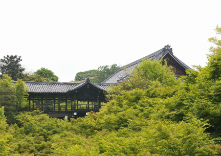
(58, 87)
(122, 72)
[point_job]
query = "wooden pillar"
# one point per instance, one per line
(74, 102)
(33, 104)
(42, 108)
(77, 104)
(29, 104)
(88, 104)
(59, 100)
(94, 104)
(98, 102)
(71, 103)
(46, 103)
(66, 103)
(54, 104)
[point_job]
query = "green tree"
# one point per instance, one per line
(8, 97)
(80, 76)
(201, 95)
(104, 72)
(152, 76)
(11, 66)
(4, 147)
(12, 96)
(46, 73)
(97, 76)
(35, 78)
(21, 93)
(215, 56)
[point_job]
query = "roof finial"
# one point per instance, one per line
(167, 48)
(88, 80)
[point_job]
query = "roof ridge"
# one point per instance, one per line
(140, 60)
(34, 82)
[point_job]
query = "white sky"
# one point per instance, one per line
(69, 36)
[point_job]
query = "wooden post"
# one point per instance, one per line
(88, 104)
(33, 100)
(77, 104)
(46, 103)
(71, 103)
(98, 102)
(66, 103)
(54, 103)
(94, 104)
(74, 102)
(42, 109)
(59, 100)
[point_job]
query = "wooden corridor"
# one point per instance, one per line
(66, 99)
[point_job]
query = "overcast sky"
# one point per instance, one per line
(69, 36)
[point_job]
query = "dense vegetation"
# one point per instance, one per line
(97, 76)
(41, 75)
(153, 113)
(12, 96)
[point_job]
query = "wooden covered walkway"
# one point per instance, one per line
(66, 99)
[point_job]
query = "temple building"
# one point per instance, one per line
(59, 99)
(178, 67)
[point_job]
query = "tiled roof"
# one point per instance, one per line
(60, 87)
(122, 72)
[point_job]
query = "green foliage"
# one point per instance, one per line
(68, 143)
(11, 66)
(215, 58)
(201, 94)
(183, 138)
(45, 73)
(12, 96)
(4, 148)
(21, 93)
(104, 72)
(80, 76)
(35, 78)
(35, 123)
(8, 97)
(6, 81)
(35, 132)
(97, 76)
(152, 113)
(158, 79)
